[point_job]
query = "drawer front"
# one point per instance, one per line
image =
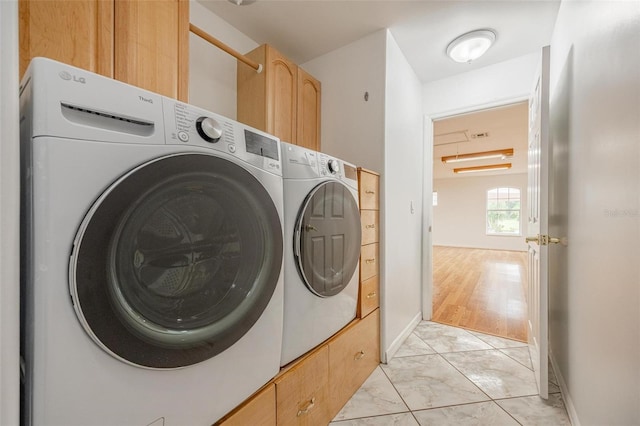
(353, 355)
(302, 393)
(370, 226)
(369, 191)
(258, 411)
(368, 261)
(369, 296)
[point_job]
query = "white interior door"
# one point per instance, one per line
(538, 224)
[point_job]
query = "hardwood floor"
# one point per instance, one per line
(482, 290)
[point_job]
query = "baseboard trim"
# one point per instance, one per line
(566, 396)
(398, 341)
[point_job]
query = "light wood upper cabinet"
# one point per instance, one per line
(151, 45)
(283, 99)
(282, 91)
(76, 32)
(144, 43)
(308, 115)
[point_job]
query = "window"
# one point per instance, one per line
(435, 198)
(503, 211)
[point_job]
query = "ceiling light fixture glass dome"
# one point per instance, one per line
(471, 45)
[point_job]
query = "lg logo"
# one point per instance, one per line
(66, 76)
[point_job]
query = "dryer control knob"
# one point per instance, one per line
(209, 129)
(333, 166)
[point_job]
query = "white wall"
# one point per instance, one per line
(9, 216)
(402, 189)
(382, 134)
(459, 219)
(595, 280)
(352, 128)
(489, 86)
(212, 72)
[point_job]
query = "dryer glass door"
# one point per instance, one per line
(176, 261)
(327, 238)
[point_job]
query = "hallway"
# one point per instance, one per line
(448, 376)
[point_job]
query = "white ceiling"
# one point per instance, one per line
(507, 127)
(306, 29)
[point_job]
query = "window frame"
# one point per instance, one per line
(519, 210)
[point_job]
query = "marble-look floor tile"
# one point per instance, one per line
(498, 342)
(534, 411)
(404, 419)
(375, 397)
(519, 354)
(444, 338)
(480, 414)
(413, 346)
(495, 373)
(428, 381)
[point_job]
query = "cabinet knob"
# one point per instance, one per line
(373, 226)
(370, 260)
(369, 191)
(359, 355)
(371, 295)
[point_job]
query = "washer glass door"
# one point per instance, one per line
(176, 261)
(327, 238)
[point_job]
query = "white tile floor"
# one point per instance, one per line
(445, 376)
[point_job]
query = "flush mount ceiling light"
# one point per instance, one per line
(499, 153)
(471, 46)
(242, 2)
(490, 167)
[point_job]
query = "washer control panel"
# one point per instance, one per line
(189, 125)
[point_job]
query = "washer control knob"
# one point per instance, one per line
(333, 166)
(209, 129)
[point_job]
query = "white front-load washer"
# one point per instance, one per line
(322, 240)
(152, 256)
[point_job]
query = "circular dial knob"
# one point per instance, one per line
(209, 129)
(333, 166)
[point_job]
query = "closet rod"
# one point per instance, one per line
(239, 56)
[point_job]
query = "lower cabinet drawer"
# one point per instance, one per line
(353, 355)
(302, 393)
(368, 261)
(260, 410)
(369, 296)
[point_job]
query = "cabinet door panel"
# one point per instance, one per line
(308, 117)
(151, 45)
(281, 114)
(76, 32)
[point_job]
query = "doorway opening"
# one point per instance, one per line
(478, 221)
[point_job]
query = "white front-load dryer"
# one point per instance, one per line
(152, 256)
(322, 240)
